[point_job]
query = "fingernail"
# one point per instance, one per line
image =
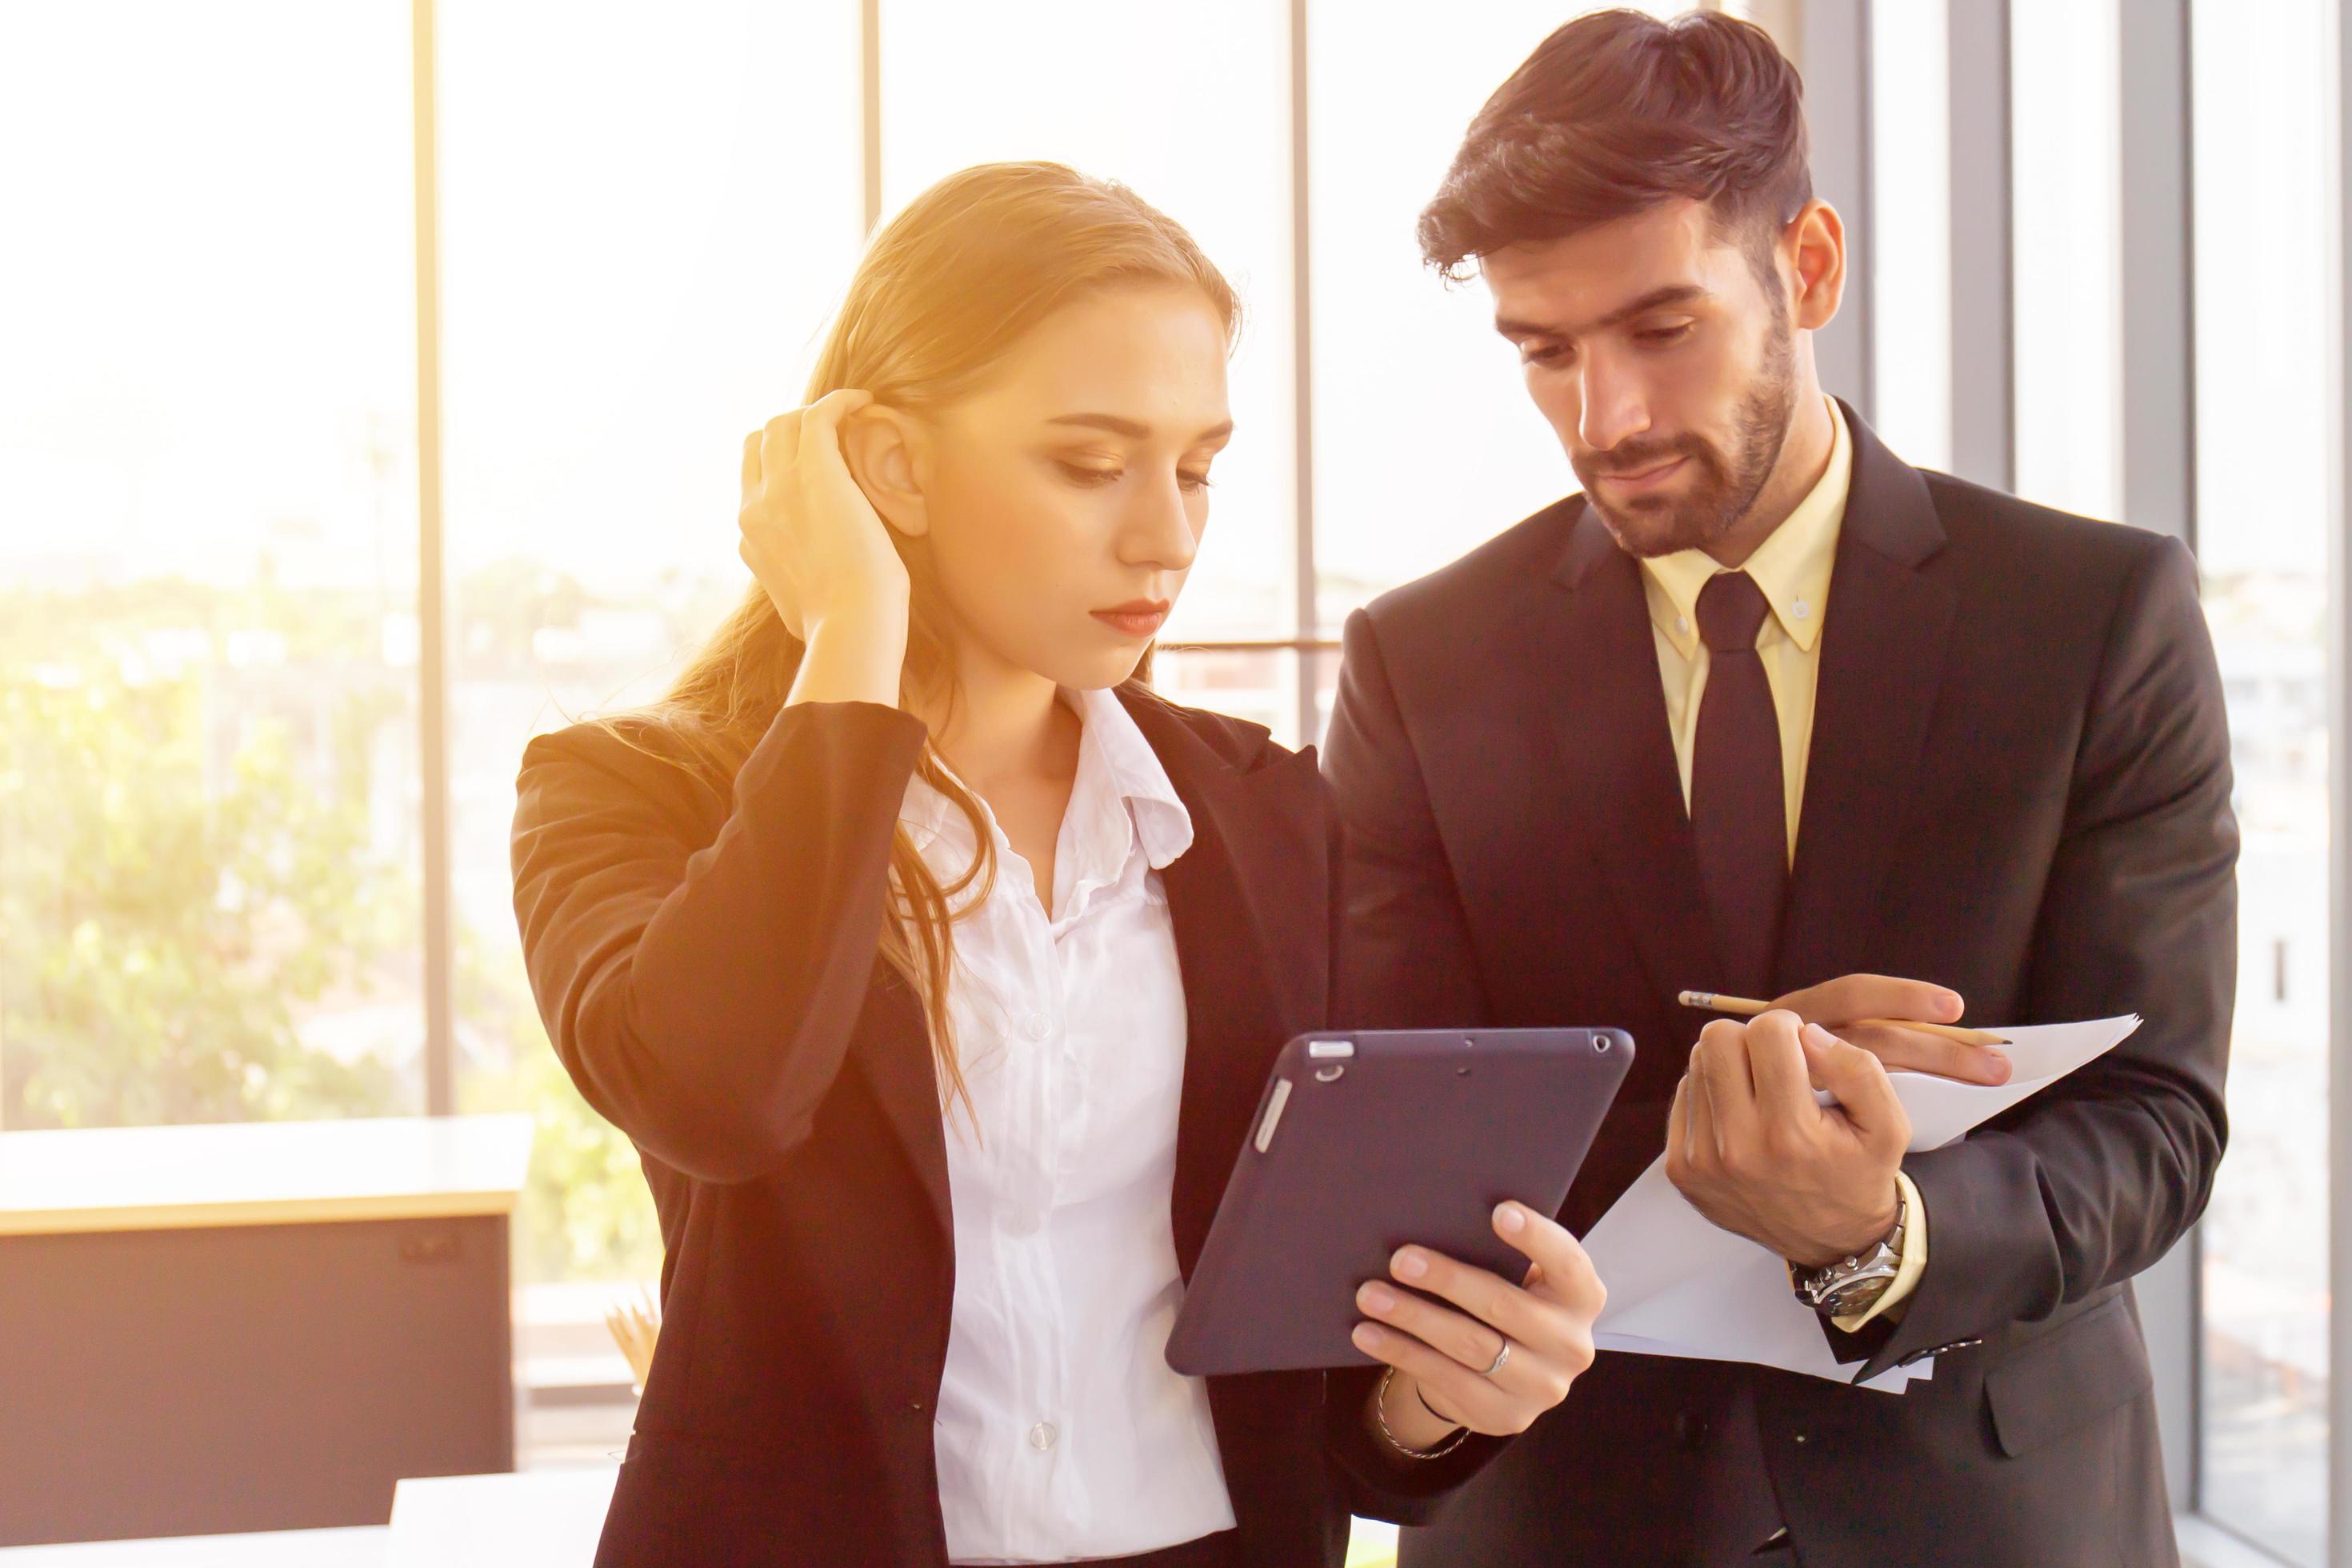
(1376, 1296)
(1508, 1216)
(1366, 1337)
(1407, 1264)
(2001, 1066)
(1950, 1005)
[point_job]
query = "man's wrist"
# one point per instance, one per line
(1880, 1228)
(1850, 1284)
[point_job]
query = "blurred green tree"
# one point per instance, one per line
(164, 915)
(186, 874)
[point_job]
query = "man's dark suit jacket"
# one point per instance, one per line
(2018, 787)
(704, 956)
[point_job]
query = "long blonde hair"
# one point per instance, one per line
(942, 292)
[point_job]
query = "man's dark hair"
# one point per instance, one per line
(1616, 113)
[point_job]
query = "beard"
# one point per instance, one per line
(1726, 482)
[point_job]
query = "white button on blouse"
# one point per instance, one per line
(1062, 1433)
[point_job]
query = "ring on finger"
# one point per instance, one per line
(1500, 1357)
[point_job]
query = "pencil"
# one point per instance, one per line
(1747, 1008)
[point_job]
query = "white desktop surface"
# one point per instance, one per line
(540, 1519)
(536, 1518)
(367, 1546)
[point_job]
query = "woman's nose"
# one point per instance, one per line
(1160, 531)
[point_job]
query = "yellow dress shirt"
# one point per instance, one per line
(1793, 568)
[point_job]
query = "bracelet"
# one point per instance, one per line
(1381, 1416)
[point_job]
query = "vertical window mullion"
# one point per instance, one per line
(1306, 615)
(432, 664)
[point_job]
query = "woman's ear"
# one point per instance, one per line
(884, 449)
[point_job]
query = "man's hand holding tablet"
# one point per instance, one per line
(1500, 1355)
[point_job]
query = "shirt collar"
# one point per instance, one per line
(1115, 764)
(1793, 566)
(1162, 824)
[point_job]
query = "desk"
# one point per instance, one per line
(546, 1518)
(250, 1326)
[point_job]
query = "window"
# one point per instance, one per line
(2262, 123)
(208, 650)
(1191, 108)
(1426, 442)
(1910, 199)
(2066, 277)
(210, 840)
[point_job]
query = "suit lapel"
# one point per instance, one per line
(1597, 715)
(893, 1047)
(1251, 905)
(1882, 663)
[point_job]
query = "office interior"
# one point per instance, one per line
(371, 381)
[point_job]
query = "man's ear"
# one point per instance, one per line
(1819, 241)
(885, 449)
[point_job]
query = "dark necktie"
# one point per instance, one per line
(1738, 810)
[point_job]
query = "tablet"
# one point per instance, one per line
(1365, 1141)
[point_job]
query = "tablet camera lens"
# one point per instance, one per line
(1601, 1044)
(1330, 1074)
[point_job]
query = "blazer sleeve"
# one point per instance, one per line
(1402, 959)
(2092, 1180)
(703, 991)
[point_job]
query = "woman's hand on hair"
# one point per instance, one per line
(810, 535)
(1443, 1335)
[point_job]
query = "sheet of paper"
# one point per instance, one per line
(1679, 1286)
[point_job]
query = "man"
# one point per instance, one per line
(1761, 706)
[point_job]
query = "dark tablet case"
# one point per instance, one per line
(1415, 1139)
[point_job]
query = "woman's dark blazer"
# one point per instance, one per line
(705, 961)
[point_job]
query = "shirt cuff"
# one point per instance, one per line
(1914, 1245)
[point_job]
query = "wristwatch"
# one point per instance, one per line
(1851, 1284)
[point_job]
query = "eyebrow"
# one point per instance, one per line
(1130, 428)
(1656, 298)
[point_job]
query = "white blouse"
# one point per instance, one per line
(1062, 1433)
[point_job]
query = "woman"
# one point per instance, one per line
(934, 964)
